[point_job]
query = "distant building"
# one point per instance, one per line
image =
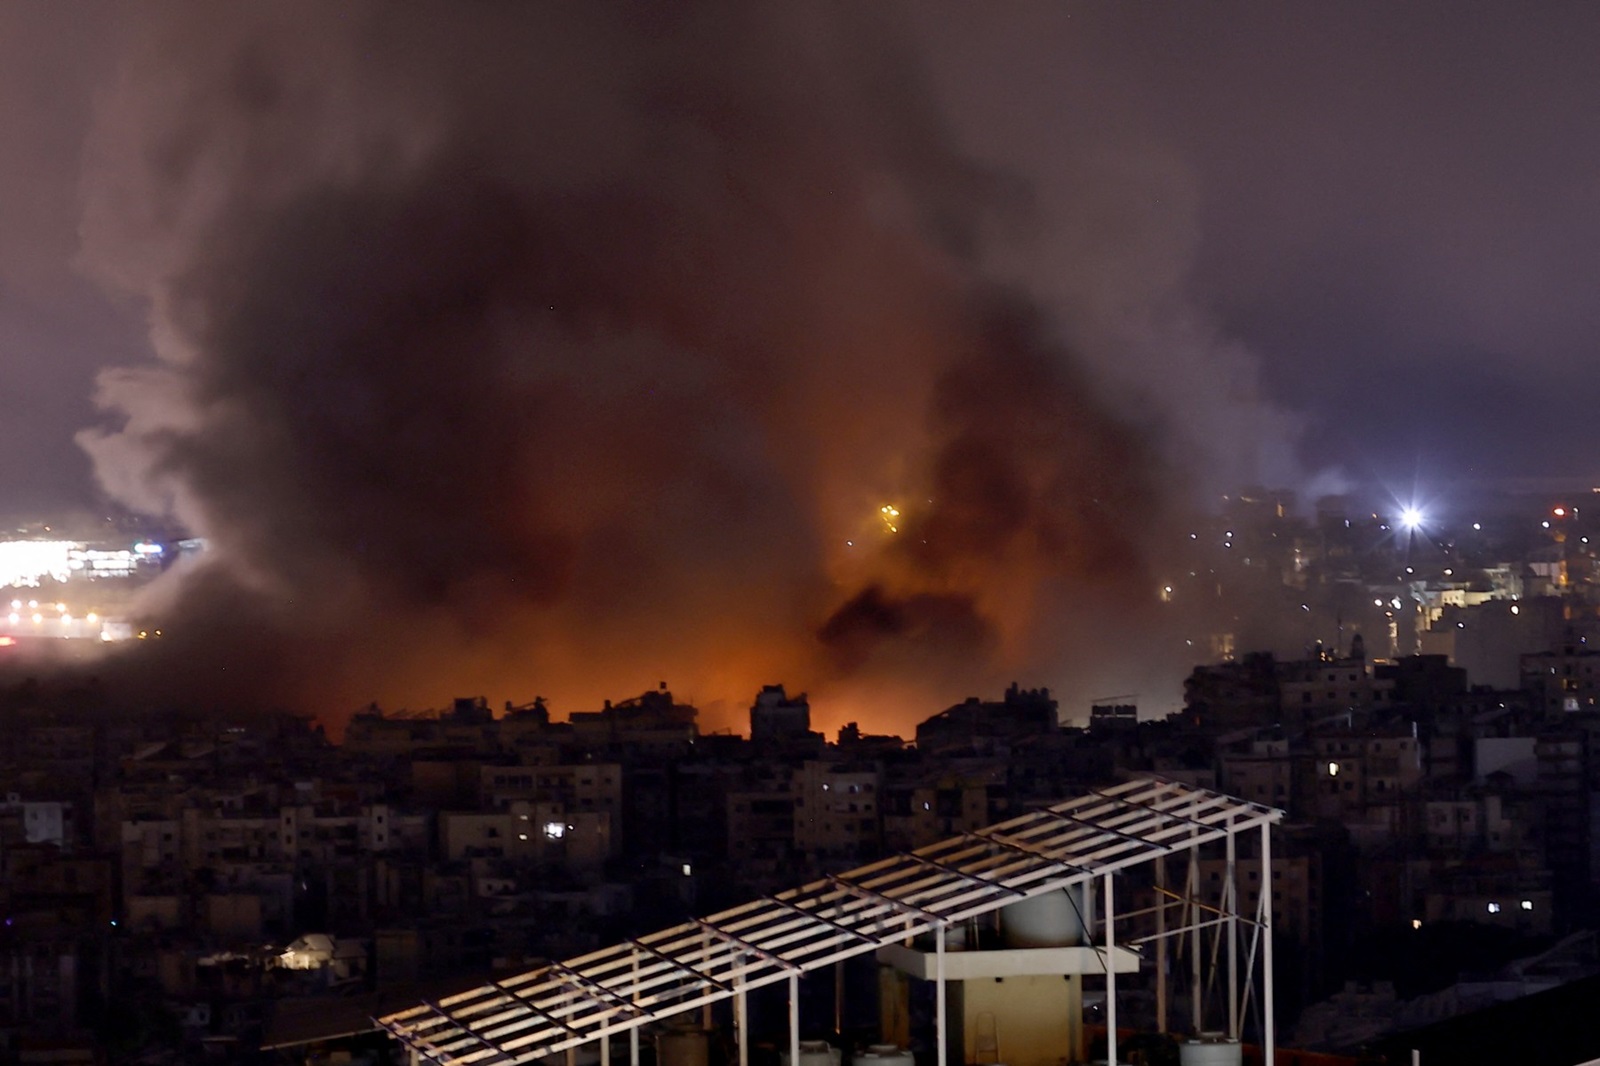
(776, 718)
(1488, 639)
(1316, 686)
(1105, 720)
(649, 724)
(836, 809)
(980, 727)
(1563, 679)
(1233, 695)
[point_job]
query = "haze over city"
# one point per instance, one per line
(887, 353)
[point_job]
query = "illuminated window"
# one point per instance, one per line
(1494, 908)
(555, 830)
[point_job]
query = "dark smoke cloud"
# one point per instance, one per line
(1031, 482)
(877, 630)
(558, 349)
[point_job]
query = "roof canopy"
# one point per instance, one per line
(585, 999)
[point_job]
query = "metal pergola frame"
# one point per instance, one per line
(588, 999)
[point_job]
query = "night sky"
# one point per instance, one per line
(1393, 208)
(509, 326)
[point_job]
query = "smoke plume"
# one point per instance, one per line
(561, 349)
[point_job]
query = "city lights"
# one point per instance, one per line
(28, 562)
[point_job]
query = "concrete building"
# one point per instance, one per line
(1563, 679)
(836, 809)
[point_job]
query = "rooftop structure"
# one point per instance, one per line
(1077, 845)
(977, 724)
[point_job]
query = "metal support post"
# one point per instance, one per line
(1231, 887)
(605, 1050)
(794, 1018)
(741, 1020)
(940, 1022)
(1111, 978)
(1192, 909)
(705, 1010)
(633, 1030)
(838, 997)
(1161, 944)
(1269, 1035)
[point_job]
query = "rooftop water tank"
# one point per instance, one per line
(1210, 1049)
(885, 1055)
(814, 1053)
(1048, 920)
(682, 1047)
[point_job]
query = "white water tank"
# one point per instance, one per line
(885, 1055)
(1210, 1049)
(1048, 920)
(814, 1053)
(682, 1047)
